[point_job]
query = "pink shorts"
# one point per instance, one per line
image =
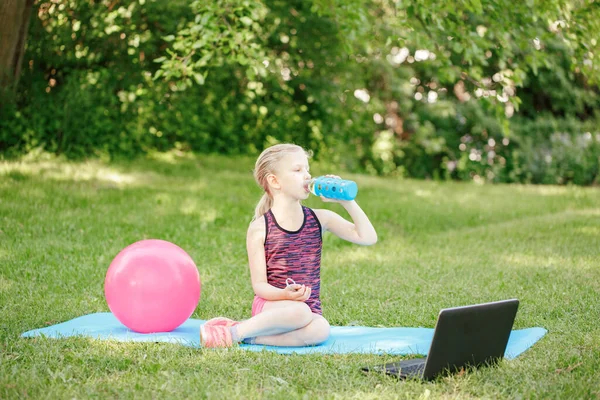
(257, 305)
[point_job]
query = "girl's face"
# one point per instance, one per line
(293, 175)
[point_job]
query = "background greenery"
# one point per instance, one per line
(441, 244)
(489, 91)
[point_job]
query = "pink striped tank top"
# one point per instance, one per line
(295, 255)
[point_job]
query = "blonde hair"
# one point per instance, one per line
(265, 165)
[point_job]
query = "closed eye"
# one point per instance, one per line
(298, 169)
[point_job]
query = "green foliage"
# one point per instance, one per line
(555, 151)
(86, 86)
(423, 89)
(223, 32)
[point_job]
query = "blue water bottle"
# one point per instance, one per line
(333, 188)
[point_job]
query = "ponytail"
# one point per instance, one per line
(264, 204)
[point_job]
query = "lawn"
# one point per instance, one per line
(440, 245)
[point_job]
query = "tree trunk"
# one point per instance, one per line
(14, 23)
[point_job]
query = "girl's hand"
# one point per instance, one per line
(297, 292)
(326, 200)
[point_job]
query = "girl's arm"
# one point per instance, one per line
(359, 232)
(255, 245)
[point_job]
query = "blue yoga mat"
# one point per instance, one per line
(343, 339)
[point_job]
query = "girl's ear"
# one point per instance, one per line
(273, 182)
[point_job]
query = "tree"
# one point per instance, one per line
(420, 88)
(14, 23)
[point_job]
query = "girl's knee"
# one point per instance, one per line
(299, 314)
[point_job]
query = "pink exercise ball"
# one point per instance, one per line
(152, 286)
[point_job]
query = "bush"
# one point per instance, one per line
(353, 98)
(555, 151)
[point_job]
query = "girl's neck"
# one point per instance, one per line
(286, 208)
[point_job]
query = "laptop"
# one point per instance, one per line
(468, 336)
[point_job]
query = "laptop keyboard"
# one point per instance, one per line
(415, 369)
(405, 368)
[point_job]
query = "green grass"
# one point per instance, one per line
(440, 245)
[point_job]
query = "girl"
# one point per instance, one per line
(284, 243)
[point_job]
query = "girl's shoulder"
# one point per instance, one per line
(258, 227)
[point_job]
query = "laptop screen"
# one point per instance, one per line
(470, 336)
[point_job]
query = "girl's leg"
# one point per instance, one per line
(281, 323)
(285, 323)
(316, 332)
(276, 317)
